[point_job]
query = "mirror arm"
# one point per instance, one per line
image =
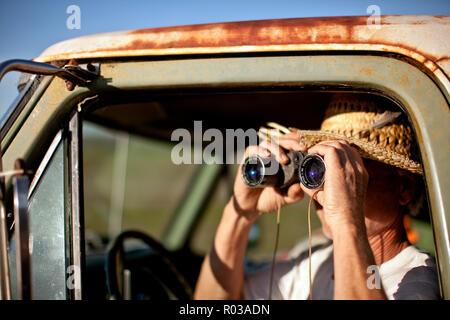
(21, 184)
(74, 74)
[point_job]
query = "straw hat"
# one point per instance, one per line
(377, 132)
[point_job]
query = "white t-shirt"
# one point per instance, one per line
(411, 274)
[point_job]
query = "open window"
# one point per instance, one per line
(127, 149)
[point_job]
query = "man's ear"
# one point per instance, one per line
(407, 188)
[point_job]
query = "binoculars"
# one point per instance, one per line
(309, 169)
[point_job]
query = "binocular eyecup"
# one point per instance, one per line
(309, 169)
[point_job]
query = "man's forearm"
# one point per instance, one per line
(222, 272)
(352, 256)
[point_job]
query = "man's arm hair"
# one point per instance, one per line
(222, 272)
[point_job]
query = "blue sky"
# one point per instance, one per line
(28, 27)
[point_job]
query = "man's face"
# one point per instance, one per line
(382, 206)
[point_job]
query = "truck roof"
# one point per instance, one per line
(425, 39)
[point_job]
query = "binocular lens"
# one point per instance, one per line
(312, 171)
(253, 173)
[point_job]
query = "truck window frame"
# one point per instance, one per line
(395, 77)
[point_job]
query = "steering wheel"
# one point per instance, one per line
(179, 289)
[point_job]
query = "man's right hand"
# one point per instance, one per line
(222, 273)
(252, 202)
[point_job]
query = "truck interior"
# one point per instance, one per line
(133, 191)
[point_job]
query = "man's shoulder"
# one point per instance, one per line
(410, 257)
(411, 274)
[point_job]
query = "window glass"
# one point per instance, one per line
(14, 89)
(47, 234)
(8, 91)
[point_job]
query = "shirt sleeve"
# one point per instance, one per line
(420, 283)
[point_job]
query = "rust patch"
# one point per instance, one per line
(70, 85)
(256, 24)
(326, 30)
(443, 60)
(404, 81)
(367, 71)
(263, 32)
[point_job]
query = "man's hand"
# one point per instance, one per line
(344, 190)
(343, 201)
(252, 202)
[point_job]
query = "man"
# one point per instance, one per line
(361, 208)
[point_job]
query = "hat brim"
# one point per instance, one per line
(367, 150)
